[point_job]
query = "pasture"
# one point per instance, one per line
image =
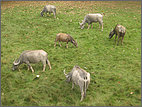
(115, 70)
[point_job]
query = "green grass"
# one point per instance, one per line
(115, 70)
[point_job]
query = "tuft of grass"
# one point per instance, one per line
(115, 70)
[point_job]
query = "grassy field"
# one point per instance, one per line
(115, 70)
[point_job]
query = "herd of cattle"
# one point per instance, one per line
(78, 75)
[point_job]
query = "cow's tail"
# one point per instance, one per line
(85, 85)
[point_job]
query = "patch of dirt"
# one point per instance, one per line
(135, 5)
(12, 4)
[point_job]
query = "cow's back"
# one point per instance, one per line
(34, 56)
(78, 75)
(63, 37)
(50, 7)
(120, 28)
(94, 17)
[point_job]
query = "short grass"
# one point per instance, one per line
(115, 70)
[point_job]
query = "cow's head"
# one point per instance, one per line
(68, 77)
(81, 25)
(74, 42)
(15, 65)
(111, 34)
(41, 13)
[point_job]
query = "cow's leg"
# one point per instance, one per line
(54, 14)
(115, 38)
(49, 64)
(49, 13)
(88, 26)
(102, 27)
(55, 42)
(85, 92)
(46, 13)
(60, 44)
(92, 26)
(122, 40)
(30, 66)
(82, 94)
(87, 85)
(32, 69)
(85, 88)
(44, 65)
(101, 24)
(118, 40)
(67, 45)
(72, 85)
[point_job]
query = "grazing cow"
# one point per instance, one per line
(50, 9)
(65, 38)
(79, 77)
(90, 18)
(32, 56)
(119, 31)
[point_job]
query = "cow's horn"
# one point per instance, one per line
(64, 72)
(16, 63)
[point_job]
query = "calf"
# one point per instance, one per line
(119, 31)
(65, 38)
(79, 77)
(90, 18)
(50, 9)
(32, 56)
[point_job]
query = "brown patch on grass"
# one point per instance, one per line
(79, 7)
(12, 4)
(78, 4)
